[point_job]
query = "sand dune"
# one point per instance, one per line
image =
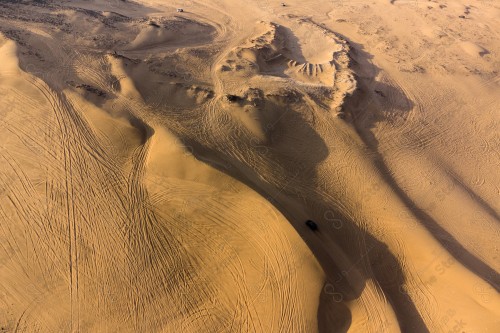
(157, 167)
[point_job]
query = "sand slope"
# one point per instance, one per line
(157, 168)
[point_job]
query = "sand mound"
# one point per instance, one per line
(181, 31)
(275, 52)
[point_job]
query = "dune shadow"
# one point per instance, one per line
(361, 248)
(293, 48)
(367, 255)
(364, 111)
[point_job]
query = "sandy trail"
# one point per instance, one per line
(157, 167)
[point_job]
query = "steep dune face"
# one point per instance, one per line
(138, 221)
(157, 167)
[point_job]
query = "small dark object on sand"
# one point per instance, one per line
(233, 98)
(180, 10)
(312, 225)
(462, 16)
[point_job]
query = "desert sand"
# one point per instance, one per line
(157, 166)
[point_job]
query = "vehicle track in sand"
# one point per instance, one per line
(136, 165)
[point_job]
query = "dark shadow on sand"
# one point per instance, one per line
(364, 113)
